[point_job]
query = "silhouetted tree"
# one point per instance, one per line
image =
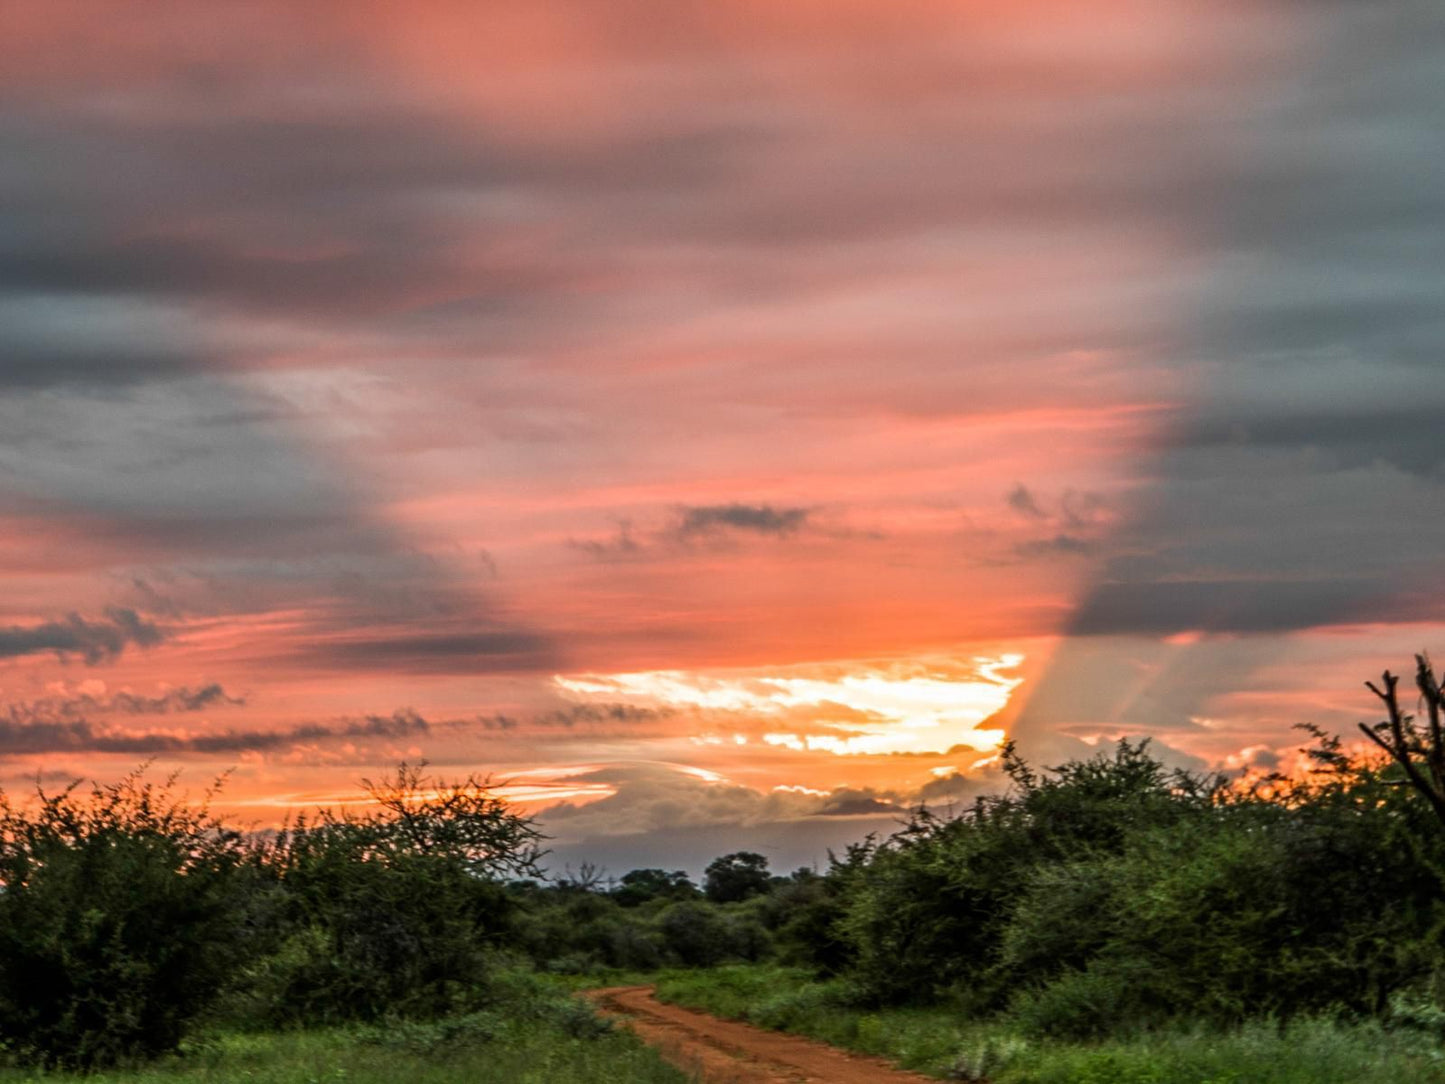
(1418, 750)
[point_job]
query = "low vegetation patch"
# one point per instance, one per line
(468, 1050)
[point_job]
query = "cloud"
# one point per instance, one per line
(692, 523)
(1022, 500)
(218, 236)
(658, 797)
(623, 544)
(1065, 544)
(1075, 520)
(1297, 486)
(444, 651)
(847, 802)
(185, 699)
(1342, 437)
(81, 736)
(574, 715)
(761, 519)
(91, 640)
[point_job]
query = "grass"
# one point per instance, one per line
(939, 1041)
(548, 1042)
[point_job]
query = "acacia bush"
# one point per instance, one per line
(121, 917)
(395, 911)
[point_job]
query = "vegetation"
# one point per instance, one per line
(1106, 919)
(943, 1042)
(121, 912)
(515, 1046)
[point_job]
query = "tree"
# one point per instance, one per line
(736, 876)
(1418, 750)
(463, 822)
(395, 911)
(641, 885)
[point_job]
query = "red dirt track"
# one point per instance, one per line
(727, 1052)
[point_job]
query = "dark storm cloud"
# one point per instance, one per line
(1299, 486)
(1403, 435)
(93, 641)
(82, 736)
(1228, 606)
(761, 519)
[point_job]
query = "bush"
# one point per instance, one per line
(120, 921)
(700, 935)
(927, 912)
(396, 912)
(1107, 998)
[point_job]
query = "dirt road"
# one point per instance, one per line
(727, 1052)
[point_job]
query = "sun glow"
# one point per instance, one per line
(919, 707)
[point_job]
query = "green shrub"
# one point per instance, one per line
(120, 920)
(1106, 998)
(394, 912)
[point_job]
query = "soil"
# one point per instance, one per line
(727, 1052)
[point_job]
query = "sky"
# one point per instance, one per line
(722, 423)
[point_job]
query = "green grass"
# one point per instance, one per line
(472, 1050)
(938, 1040)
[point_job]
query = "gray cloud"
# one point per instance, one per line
(621, 546)
(1300, 481)
(82, 736)
(761, 519)
(1065, 544)
(1169, 606)
(588, 715)
(90, 640)
(1022, 500)
(847, 802)
(1345, 437)
(54, 709)
(658, 797)
(695, 523)
(440, 652)
(1070, 522)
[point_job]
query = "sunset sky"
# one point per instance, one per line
(724, 421)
